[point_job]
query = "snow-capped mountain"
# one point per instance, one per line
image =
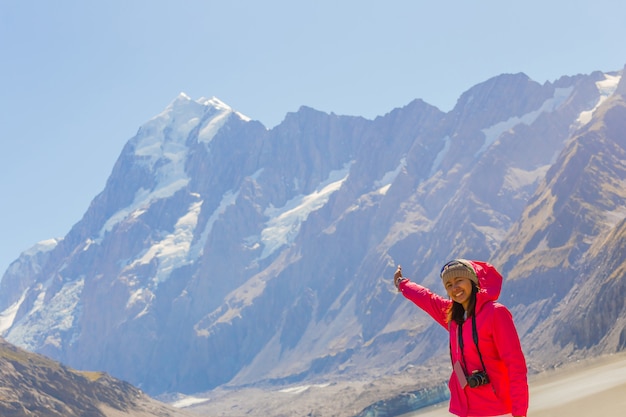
(221, 252)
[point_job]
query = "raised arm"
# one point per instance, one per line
(435, 305)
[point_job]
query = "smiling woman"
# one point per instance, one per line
(489, 375)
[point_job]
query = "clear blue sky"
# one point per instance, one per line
(78, 78)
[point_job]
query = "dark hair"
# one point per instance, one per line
(457, 312)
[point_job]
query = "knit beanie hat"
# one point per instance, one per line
(458, 268)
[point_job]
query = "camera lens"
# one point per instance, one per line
(477, 379)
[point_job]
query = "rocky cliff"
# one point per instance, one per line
(221, 253)
(33, 385)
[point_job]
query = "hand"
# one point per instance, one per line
(397, 277)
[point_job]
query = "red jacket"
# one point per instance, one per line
(498, 342)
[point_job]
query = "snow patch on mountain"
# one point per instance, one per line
(164, 136)
(37, 249)
(228, 199)
(517, 178)
(183, 401)
(385, 182)
(141, 297)
(222, 112)
(284, 224)
(439, 158)
(173, 250)
(492, 133)
(162, 146)
(302, 388)
(606, 88)
(8, 316)
(143, 199)
(51, 317)
(42, 246)
(222, 107)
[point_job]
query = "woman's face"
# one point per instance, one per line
(459, 289)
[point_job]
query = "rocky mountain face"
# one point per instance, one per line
(33, 385)
(221, 253)
(573, 227)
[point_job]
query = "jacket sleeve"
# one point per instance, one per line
(510, 351)
(435, 305)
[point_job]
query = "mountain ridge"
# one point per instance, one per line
(248, 256)
(35, 385)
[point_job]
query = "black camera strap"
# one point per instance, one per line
(475, 336)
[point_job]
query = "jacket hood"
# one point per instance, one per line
(489, 280)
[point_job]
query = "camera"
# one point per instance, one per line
(477, 378)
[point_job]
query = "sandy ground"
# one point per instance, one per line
(595, 388)
(147, 408)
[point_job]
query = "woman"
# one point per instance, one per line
(489, 369)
